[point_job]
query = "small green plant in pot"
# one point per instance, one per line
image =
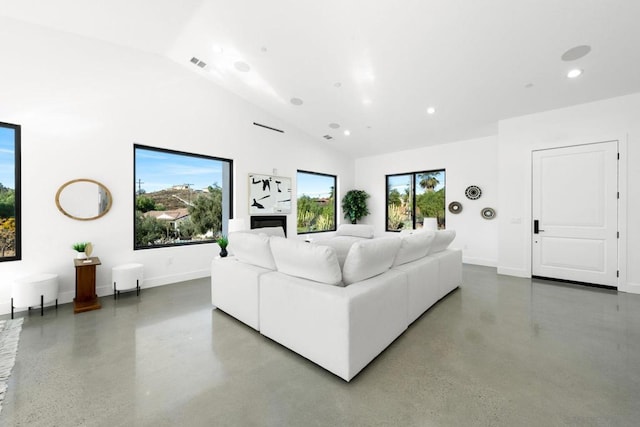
(223, 242)
(354, 205)
(81, 248)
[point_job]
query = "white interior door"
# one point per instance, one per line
(575, 213)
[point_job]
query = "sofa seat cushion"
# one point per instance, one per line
(307, 261)
(269, 231)
(414, 247)
(356, 230)
(368, 258)
(252, 248)
(442, 240)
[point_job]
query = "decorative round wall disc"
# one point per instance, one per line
(455, 207)
(473, 192)
(488, 213)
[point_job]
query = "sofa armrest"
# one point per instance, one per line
(235, 289)
(340, 329)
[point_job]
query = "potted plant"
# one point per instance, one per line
(354, 205)
(223, 242)
(81, 248)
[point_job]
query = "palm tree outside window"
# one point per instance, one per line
(414, 196)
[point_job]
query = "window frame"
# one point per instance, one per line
(335, 203)
(227, 203)
(17, 159)
(413, 176)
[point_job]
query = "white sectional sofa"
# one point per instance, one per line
(338, 315)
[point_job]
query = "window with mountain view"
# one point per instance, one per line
(316, 202)
(9, 192)
(412, 197)
(180, 198)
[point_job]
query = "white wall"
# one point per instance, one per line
(471, 162)
(82, 105)
(612, 119)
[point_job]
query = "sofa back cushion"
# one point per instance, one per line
(414, 246)
(301, 259)
(442, 240)
(368, 258)
(252, 248)
(355, 230)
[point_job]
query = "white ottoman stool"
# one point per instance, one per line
(33, 290)
(126, 276)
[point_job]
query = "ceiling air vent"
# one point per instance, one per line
(327, 137)
(197, 62)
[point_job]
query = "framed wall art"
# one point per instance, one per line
(269, 194)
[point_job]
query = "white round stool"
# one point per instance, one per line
(126, 276)
(33, 290)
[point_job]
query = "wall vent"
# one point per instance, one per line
(268, 127)
(327, 137)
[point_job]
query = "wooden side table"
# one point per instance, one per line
(86, 298)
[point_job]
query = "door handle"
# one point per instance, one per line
(536, 227)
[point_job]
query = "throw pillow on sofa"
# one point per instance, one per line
(442, 240)
(252, 248)
(368, 258)
(414, 246)
(307, 261)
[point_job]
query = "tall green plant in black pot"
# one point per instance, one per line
(354, 205)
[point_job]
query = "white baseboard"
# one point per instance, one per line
(632, 288)
(161, 281)
(101, 291)
(514, 272)
(479, 261)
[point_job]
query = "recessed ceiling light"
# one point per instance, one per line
(334, 125)
(576, 53)
(347, 132)
(337, 84)
(263, 48)
(366, 101)
(528, 85)
(431, 110)
(297, 101)
(242, 66)
(576, 72)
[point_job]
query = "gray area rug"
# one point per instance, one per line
(9, 336)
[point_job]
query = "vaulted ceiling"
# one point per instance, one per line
(373, 68)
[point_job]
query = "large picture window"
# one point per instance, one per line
(415, 198)
(9, 192)
(179, 198)
(316, 202)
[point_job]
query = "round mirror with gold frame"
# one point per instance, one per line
(83, 199)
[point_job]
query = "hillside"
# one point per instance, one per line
(173, 198)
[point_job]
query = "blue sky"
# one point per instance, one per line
(7, 157)
(159, 170)
(313, 185)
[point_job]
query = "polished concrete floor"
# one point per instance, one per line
(499, 351)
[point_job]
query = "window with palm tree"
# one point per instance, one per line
(414, 196)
